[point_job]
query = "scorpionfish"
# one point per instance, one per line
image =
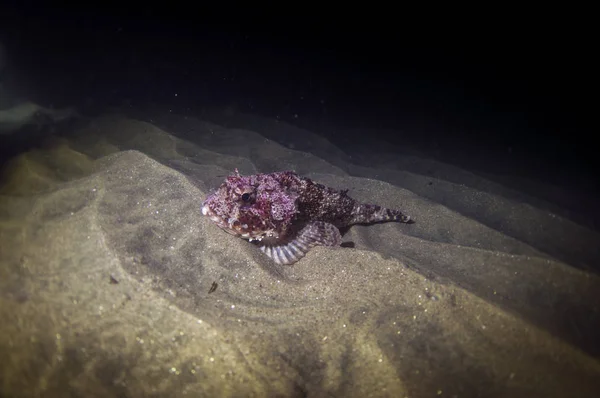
(287, 215)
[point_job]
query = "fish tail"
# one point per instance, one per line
(366, 214)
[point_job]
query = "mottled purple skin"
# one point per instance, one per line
(256, 206)
(288, 214)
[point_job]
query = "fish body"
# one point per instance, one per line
(287, 215)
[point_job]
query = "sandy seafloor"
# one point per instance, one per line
(107, 264)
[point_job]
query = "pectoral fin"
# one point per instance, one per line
(313, 234)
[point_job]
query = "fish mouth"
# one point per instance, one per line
(234, 227)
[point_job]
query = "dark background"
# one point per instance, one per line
(504, 95)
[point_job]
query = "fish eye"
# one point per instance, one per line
(246, 197)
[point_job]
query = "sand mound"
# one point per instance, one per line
(113, 283)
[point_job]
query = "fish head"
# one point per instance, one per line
(256, 207)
